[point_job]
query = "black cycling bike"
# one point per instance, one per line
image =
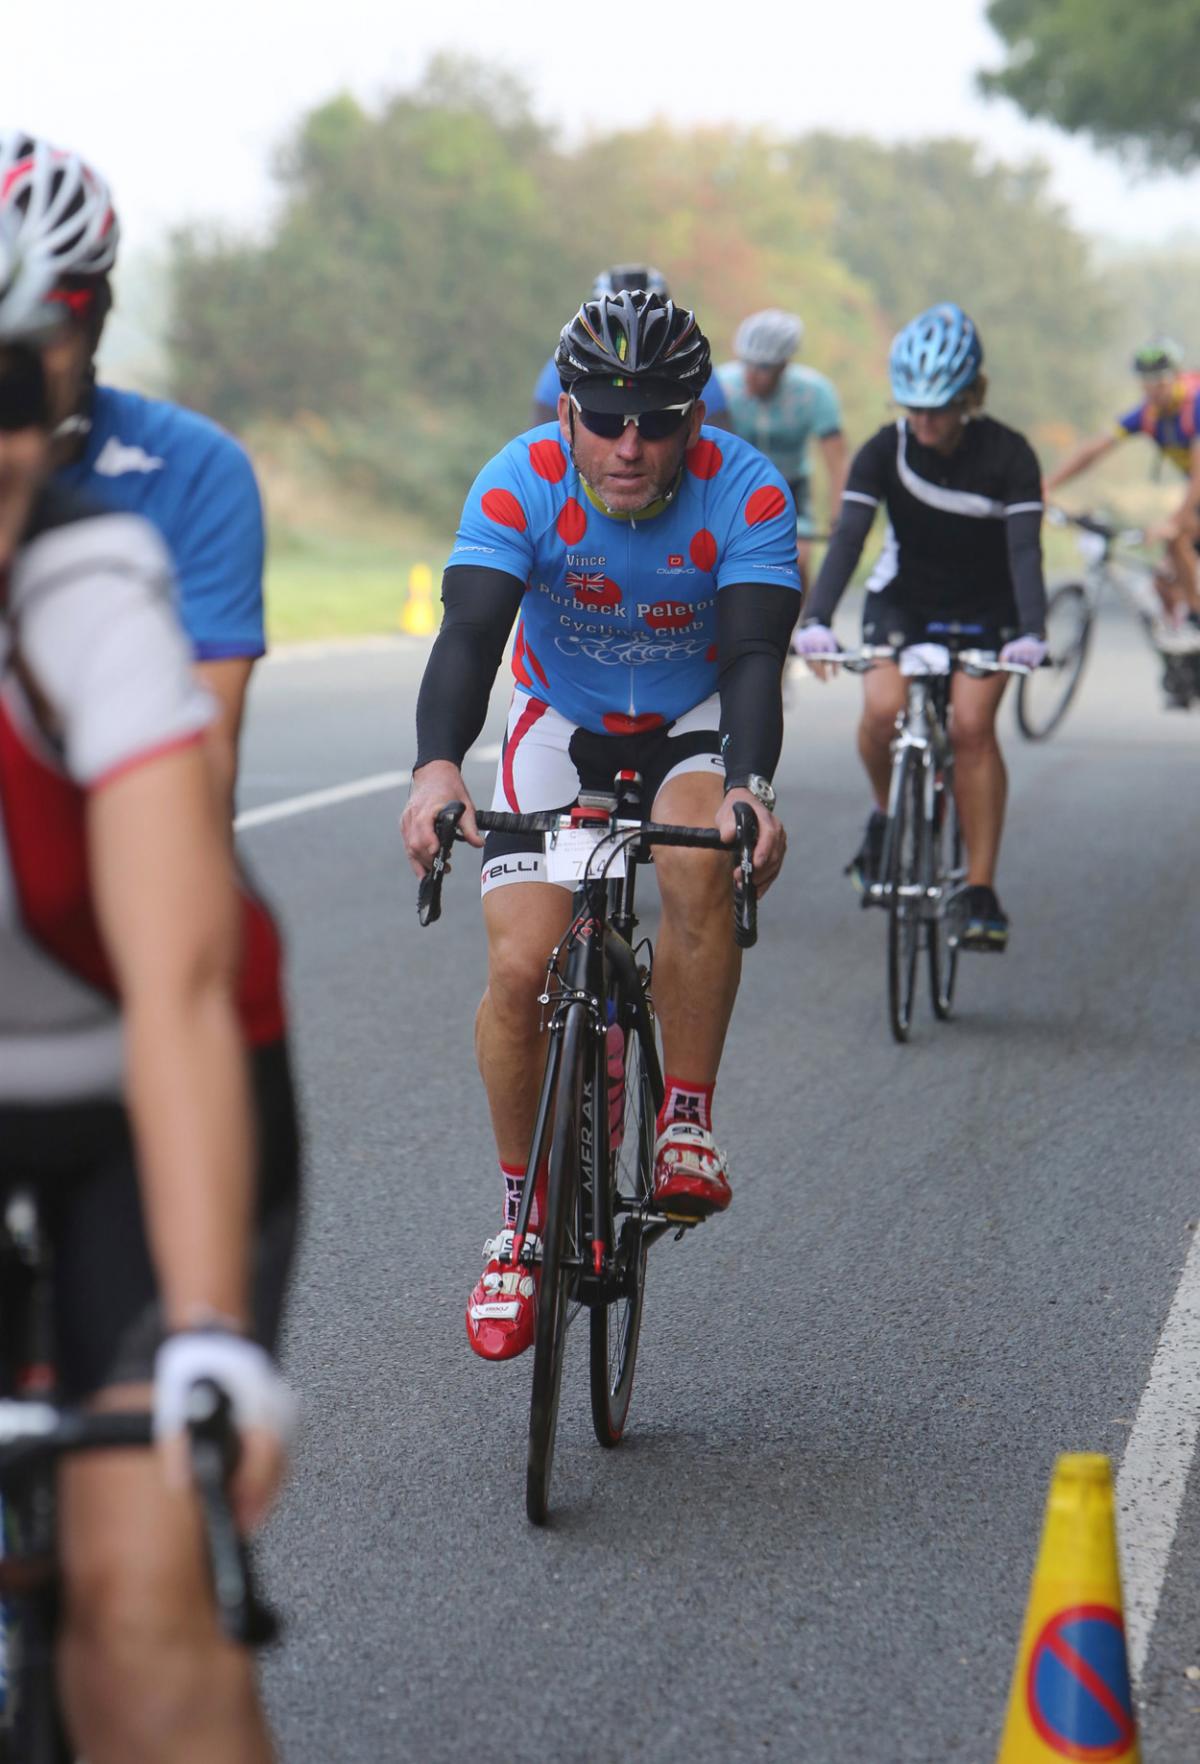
(598, 1146)
(34, 1433)
(922, 868)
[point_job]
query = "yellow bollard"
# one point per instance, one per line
(417, 615)
(1070, 1694)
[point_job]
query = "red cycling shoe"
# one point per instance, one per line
(502, 1308)
(689, 1172)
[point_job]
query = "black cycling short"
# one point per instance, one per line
(547, 760)
(81, 1158)
(895, 617)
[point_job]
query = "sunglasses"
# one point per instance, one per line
(24, 396)
(651, 425)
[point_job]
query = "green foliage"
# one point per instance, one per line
(425, 254)
(1127, 74)
(933, 221)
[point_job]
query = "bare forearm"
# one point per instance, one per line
(1080, 460)
(189, 1100)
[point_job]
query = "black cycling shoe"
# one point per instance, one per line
(863, 868)
(982, 921)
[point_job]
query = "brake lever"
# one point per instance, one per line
(214, 1450)
(745, 895)
(429, 889)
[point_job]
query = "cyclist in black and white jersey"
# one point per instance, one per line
(961, 562)
(142, 1061)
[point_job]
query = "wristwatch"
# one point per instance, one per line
(758, 786)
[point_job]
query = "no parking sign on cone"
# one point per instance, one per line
(1071, 1696)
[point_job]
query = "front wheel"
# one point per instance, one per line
(1044, 696)
(947, 876)
(561, 1242)
(616, 1326)
(904, 880)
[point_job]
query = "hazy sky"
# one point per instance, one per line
(180, 105)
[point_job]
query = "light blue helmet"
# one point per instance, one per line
(935, 357)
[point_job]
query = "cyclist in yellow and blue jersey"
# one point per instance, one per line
(1168, 413)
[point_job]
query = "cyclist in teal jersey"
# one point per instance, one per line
(781, 406)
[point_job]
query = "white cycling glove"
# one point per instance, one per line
(814, 640)
(243, 1370)
(1025, 652)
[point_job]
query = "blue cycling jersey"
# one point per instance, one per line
(196, 485)
(618, 626)
(549, 386)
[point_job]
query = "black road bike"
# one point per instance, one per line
(922, 868)
(597, 1145)
(35, 1432)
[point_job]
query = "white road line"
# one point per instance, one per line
(335, 793)
(1158, 1456)
(319, 799)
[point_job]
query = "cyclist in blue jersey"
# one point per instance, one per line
(143, 455)
(650, 564)
(623, 277)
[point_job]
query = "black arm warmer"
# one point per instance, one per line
(845, 549)
(754, 624)
(1024, 533)
(480, 605)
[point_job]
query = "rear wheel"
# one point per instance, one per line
(560, 1261)
(948, 874)
(616, 1326)
(1044, 696)
(903, 875)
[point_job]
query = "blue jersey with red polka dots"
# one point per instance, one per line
(618, 625)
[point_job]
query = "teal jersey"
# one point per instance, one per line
(804, 404)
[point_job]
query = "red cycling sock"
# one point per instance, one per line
(684, 1101)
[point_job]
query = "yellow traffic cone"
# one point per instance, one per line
(1070, 1693)
(417, 615)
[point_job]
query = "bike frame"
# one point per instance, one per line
(920, 732)
(595, 963)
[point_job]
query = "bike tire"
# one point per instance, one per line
(1044, 697)
(948, 874)
(615, 1327)
(560, 1243)
(903, 842)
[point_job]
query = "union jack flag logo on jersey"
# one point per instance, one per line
(586, 581)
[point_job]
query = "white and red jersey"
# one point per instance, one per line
(95, 677)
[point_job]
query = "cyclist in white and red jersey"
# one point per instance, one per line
(651, 565)
(138, 1069)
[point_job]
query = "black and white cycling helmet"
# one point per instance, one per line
(28, 316)
(63, 207)
(633, 351)
(630, 275)
(769, 338)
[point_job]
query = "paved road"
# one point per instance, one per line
(944, 1264)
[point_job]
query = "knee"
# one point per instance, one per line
(878, 725)
(694, 886)
(516, 977)
(973, 737)
(143, 1665)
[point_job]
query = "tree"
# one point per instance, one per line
(1128, 75)
(935, 221)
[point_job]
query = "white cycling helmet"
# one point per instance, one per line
(769, 338)
(63, 208)
(27, 313)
